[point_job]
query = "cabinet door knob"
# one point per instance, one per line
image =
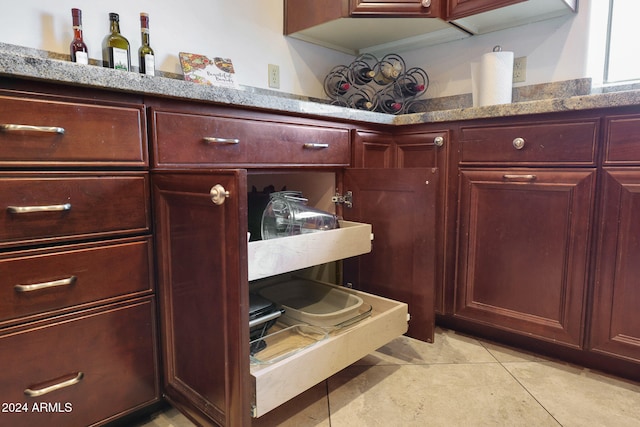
(218, 194)
(438, 141)
(518, 143)
(426, 3)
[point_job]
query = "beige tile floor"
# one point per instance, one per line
(457, 381)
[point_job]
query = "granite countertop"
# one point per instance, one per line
(27, 63)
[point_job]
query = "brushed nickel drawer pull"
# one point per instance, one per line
(517, 177)
(42, 391)
(44, 285)
(30, 209)
(214, 140)
(29, 128)
(315, 145)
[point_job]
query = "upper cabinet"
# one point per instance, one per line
(377, 27)
(484, 16)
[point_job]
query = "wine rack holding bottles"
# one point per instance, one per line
(384, 85)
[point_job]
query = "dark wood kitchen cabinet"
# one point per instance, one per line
(461, 8)
(525, 221)
(381, 27)
(615, 324)
(77, 310)
(417, 148)
(205, 263)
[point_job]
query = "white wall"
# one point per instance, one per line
(559, 49)
(250, 33)
(247, 31)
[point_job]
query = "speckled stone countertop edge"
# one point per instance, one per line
(542, 106)
(28, 63)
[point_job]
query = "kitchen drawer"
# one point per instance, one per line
(282, 380)
(201, 140)
(623, 140)
(39, 281)
(38, 132)
(79, 369)
(47, 207)
(285, 254)
(569, 143)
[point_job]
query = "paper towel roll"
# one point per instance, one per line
(492, 78)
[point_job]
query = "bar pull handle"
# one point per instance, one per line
(44, 285)
(8, 127)
(215, 140)
(518, 177)
(44, 390)
(30, 209)
(315, 146)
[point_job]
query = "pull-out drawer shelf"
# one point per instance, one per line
(276, 256)
(276, 383)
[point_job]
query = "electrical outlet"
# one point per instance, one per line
(520, 69)
(274, 76)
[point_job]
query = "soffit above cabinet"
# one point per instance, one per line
(336, 29)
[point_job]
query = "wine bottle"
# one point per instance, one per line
(146, 64)
(410, 88)
(389, 69)
(363, 75)
(363, 99)
(386, 102)
(361, 69)
(341, 88)
(78, 48)
(337, 82)
(392, 106)
(413, 83)
(115, 48)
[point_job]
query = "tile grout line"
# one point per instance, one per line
(520, 384)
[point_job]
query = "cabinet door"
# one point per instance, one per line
(373, 150)
(400, 204)
(461, 8)
(203, 287)
(615, 326)
(523, 250)
(416, 8)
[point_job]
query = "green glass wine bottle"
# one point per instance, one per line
(115, 48)
(146, 59)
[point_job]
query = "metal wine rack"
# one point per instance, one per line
(384, 85)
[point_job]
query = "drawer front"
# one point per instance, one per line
(279, 382)
(197, 140)
(623, 140)
(80, 370)
(531, 144)
(49, 133)
(37, 282)
(42, 208)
